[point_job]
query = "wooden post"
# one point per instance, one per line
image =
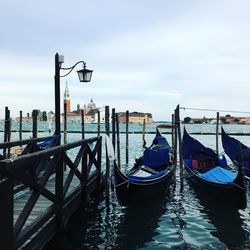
(83, 132)
(84, 172)
(20, 125)
(118, 140)
(179, 138)
(49, 122)
(127, 122)
(143, 133)
(6, 212)
(107, 158)
(217, 133)
(174, 148)
(34, 124)
(172, 131)
(99, 167)
(113, 127)
(59, 195)
(65, 123)
(175, 138)
(5, 138)
(98, 123)
(9, 130)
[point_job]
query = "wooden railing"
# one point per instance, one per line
(23, 222)
(27, 146)
(23, 147)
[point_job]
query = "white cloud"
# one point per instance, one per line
(144, 55)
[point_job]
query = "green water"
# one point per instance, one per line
(178, 219)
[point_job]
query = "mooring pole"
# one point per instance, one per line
(113, 127)
(217, 132)
(34, 123)
(5, 138)
(172, 131)
(127, 122)
(82, 117)
(107, 158)
(174, 148)
(143, 133)
(175, 138)
(180, 144)
(65, 122)
(98, 123)
(20, 125)
(118, 140)
(9, 130)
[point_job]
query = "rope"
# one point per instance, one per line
(216, 110)
(248, 178)
(189, 175)
(121, 183)
(238, 186)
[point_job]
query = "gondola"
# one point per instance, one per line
(233, 147)
(207, 172)
(152, 173)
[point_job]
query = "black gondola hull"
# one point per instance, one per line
(234, 193)
(234, 149)
(129, 192)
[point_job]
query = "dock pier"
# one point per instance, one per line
(50, 193)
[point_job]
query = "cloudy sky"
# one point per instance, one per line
(147, 56)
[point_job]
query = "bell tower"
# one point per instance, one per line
(66, 98)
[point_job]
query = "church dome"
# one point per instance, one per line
(91, 104)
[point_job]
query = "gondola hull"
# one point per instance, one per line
(211, 174)
(232, 193)
(237, 151)
(129, 192)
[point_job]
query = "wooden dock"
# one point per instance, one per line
(40, 191)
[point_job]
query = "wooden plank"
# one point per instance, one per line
(43, 236)
(28, 232)
(32, 210)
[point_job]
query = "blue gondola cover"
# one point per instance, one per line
(156, 158)
(45, 144)
(220, 175)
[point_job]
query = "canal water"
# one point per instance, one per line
(178, 219)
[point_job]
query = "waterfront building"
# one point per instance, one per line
(136, 118)
(67, 99)
(90, 111)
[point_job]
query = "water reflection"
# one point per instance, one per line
(229, 226)
(139, 223)
(84, 227)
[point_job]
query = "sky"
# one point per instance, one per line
(146, 56)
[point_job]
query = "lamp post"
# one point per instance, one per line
(84, 76)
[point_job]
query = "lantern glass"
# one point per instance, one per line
(85, 75)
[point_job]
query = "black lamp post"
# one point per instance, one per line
(84, 76)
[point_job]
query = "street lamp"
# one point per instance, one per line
(84, 76)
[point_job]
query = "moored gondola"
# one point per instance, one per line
(236, 151)
(151, 173)
(207, 172)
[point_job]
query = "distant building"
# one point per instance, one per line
(136, 118)
(67, 99)
(237, 120)
(90, 111)
(244, 120)
(199, 120)
(27, 118)
(228, 119)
